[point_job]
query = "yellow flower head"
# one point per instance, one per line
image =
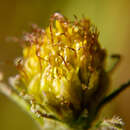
(62, 64)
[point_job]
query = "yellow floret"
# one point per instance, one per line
(61, 64)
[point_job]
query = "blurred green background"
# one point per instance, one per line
(112, 17)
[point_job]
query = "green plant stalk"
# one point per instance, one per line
(112, 95)
(4, 89)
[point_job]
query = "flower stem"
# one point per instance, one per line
(112, 95)
(7, 91)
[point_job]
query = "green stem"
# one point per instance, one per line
(114, 94)
(8, 92)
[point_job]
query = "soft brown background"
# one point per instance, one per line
(112, 19)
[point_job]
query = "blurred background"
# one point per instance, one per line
(112, 17)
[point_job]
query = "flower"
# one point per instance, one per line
(62, 65)
(115, 123)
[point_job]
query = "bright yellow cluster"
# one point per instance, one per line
(62, 64)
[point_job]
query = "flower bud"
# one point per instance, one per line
(61, 66)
